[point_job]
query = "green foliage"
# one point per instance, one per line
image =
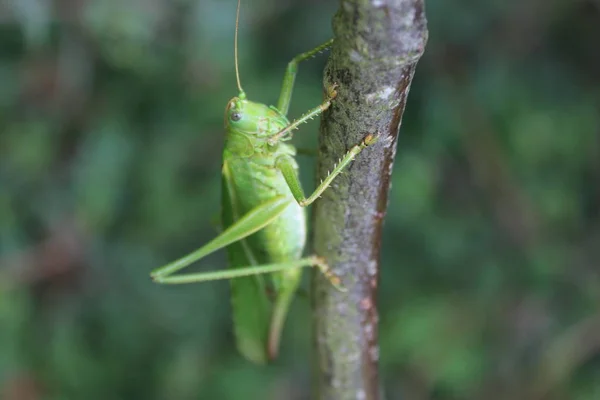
(111, 118)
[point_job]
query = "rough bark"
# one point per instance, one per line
(376, 49)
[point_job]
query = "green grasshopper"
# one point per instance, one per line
(263, 214)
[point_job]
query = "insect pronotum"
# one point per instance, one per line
(263, 214)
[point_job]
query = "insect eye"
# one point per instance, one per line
(236, 116)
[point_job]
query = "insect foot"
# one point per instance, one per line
(369, 140)
(335, 280)
(331, 91)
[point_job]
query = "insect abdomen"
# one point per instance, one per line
(284, 238)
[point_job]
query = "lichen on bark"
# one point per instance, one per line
(376, 49)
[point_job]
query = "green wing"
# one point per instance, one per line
(250, 305)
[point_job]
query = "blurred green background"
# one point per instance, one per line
(110, 137)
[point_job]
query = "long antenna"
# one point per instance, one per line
(235, 49)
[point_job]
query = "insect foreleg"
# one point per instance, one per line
(331, 93)
(287, 167)
(253, 221)
(290, 76)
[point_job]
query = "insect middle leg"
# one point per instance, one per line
(287, 166)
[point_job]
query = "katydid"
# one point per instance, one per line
(263, 214)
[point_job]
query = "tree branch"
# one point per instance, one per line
(377, 46)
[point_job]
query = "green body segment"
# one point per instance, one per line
(249, 166)
(253, 317)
